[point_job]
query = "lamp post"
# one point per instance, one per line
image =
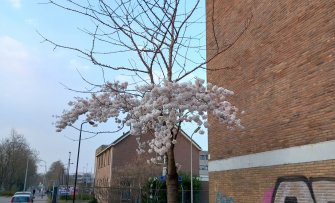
(75, 179)
(68, 176)
(45, 172)
(25, 177)
(196, 130)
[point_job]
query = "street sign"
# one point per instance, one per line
(162, 178)
(180, 178)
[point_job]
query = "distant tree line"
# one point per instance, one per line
(56, 174)
(15, 154)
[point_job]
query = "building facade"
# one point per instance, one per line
(203, 165)
(123, 151)
(279, 59)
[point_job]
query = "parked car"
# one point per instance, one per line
(25, 193)
(22, 198)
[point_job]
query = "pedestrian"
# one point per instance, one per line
(34, 192)
(42, 193)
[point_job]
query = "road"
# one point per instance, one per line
(4, 199)
(37, 199)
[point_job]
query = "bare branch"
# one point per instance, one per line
(91, 57)
(225, 48)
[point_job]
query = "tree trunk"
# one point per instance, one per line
(172, 177)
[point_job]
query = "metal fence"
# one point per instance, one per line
(138, 195)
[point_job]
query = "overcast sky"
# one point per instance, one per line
(31, 76)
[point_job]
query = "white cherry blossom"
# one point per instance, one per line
(159, 108)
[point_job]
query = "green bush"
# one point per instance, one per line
(79, 196)
(94, 200)
(155, 189)
(83, 196)
(7, 193)
(63, 197)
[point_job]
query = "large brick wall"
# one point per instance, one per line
(257, 185)
(282, 70)
(103, 167)
(125, 152)
(280, 62)
(113, 157)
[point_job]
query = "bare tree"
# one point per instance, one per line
(14, 154)
(56, 173)
(164, 47)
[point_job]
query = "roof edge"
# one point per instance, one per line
(122, 137)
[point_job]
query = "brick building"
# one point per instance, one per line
(203, 165)
(123, 151)
(278, 58)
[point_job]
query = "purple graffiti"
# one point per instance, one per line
(267, 197)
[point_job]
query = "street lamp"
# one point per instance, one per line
(45, 172)
(68, 175)
(196, 130)
(25, 177)
(75, 179)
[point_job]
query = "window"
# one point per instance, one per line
(20, 199)
(108, 158)
(203, 167)
(125, 190)
(99, 161)
(203, 157)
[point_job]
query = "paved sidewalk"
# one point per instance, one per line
(4, 199)
(39, 199)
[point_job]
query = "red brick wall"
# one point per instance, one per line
(256, 185)
(281, 67)
(183, 154)
(125, 152)
(103, 169)
(282, 70)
